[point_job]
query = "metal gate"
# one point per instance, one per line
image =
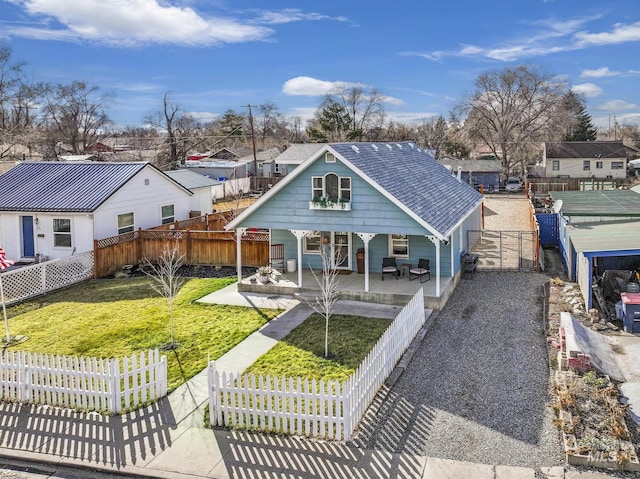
(504, 250)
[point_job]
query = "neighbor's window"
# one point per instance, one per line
(556, 165)
(167, 214)
(617, 165)
(125, 223)
(331, 186)
(399, 246)
(598, 164)
(312, 242)
(62, 233)
(586, 165)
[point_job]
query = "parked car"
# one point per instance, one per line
(513, 184)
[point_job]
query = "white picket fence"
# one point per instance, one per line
(327, 409)
(89, 384)
(40, 278)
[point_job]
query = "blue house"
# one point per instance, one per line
(379, 199)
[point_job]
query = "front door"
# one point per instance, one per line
(28, 249)
(341, 250)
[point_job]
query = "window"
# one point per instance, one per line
(586, 165)
(617, 165)
(399, 246)
(599, 165)
(331, 186)
(62, 233)
(167, 214)
(276, 168)
(330, 158)
(556, 165)
(125, 223)
(312, 242)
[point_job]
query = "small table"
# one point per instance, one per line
(405, 268)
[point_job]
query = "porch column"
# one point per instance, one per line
(436, 242)
(299, 234)
(366, 237)
(239, 234)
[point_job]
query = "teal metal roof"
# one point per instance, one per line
(605, 236)
(598, 203)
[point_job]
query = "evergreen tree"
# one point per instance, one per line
(580, 127)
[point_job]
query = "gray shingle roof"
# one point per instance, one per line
(586, 149)
(415, 179)
(474, 166)
(299, 152)
(58, 187)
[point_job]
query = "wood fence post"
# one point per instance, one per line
(139, 246)
(187, 246)
(95, 259)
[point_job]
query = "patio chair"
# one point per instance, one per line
(421, 271)
(389, 267)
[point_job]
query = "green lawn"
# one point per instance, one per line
(117, 317)
(301, 353)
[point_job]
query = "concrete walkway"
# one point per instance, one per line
(168, 439)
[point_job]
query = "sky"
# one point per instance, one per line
(423, 56)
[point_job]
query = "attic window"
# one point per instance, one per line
(329, 158)
(146, 181)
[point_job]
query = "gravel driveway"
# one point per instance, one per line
(477, 389)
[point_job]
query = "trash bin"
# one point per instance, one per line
(291, 266)
(631, 312)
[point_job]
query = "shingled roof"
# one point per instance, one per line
(415, 179)
(586, 149)
(63, 187)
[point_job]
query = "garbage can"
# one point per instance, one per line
(291, 266)
(631, 312)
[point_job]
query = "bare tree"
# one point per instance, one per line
(75, 113)
(183, 133)
(325, 302)
(512, 111)
(166, 283)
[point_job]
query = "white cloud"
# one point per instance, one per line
(203, 116)
(616, 105)
(621, 33)
(587, 89)
(131, 22)
(290, 15)
(598, 73)
(308, 86)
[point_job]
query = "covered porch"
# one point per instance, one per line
(352, 287)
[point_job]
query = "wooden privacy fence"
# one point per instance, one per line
(40, 278)
(325, 409)
(198, 247)
(90, 384)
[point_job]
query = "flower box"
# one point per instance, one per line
(330, 205)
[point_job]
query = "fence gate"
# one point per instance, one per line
(504, 250)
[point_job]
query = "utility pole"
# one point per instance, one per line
(253, 144)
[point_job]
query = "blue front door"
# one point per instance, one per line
(28, 250)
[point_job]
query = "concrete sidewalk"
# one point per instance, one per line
(168, 439)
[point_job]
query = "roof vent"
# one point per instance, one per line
(389, 146)
(355, 148)
(413, 146)
(375, 147)
(399, 145)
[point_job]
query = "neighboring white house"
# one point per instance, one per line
(585, 159)
(202, 188)
(55, 209)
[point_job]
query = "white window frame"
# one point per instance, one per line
(598, 165)
(168, 218)
(319, 187)
(329, 157)
(617, 165)
(126, 228)
(555, 165)
(402, 240)
(313, 235)
(586, 165)
(62, 234)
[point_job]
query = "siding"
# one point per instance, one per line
(371, 212)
